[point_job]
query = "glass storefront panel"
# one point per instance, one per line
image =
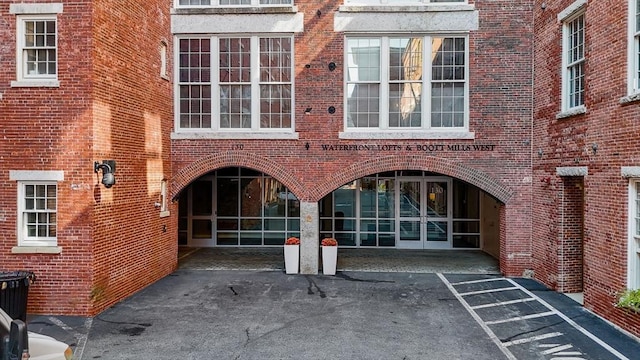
(202, 198)
(201, 229)
(274, 238)
(274, 224)
(346, 239)
(437, 231)
(250, 238)
(226, 238)
(253, 209)
(227, 196)
(466, 241)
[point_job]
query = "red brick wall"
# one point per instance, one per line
(50, 129)
(132, 245)
(111, 104)
(500, 98)
(567, 142)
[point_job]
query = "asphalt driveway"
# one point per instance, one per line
(232, 314)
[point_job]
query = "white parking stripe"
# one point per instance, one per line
(572, 323)
(533, 338)
(486, 329)
(518, 318)
(483, 306)
(476, 281)
(557, 348)
(488, 291)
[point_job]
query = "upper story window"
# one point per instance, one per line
(38, 218)
(634, 236)
(401, 2)
(634, 47)
(235, 83)
(36, 44)
(407, 83)
(573, 57)
(37, 206)
(226, 3)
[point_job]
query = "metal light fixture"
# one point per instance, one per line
(108, 167)
(594, 148)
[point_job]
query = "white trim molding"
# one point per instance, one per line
(36, 175)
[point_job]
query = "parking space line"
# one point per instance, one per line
(556, 350)
(571, 322)
(477, 318)
(518, 318)
(510, 302)
(476, 281)
(532, 338)
(488, 291)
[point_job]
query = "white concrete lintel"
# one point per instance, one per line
(237, 23)
(386, 22)
(572, 171)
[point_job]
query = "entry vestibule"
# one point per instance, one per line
(399, 209)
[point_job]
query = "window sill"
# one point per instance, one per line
(630, 99)
(234, 10)
(36, 250)
(234, 135)
(36, 83)
(578, 110)
(405, 8)
(406, 135)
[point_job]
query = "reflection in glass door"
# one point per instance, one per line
(424, 215)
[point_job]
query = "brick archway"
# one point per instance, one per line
(427, 163)
(318, 190)
(230, 159)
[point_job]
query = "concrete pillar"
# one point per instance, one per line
(309, 235)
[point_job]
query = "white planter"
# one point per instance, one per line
(329, 259)
(291, 258)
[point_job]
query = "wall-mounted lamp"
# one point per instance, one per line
(108, 167)
(307, 111)
(594, 148)
(332, 66)
(539, 152)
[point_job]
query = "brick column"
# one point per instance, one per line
(309, 237)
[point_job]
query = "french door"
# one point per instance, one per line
(424, 212)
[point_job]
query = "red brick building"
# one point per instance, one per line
(384, 124)
(83, 82)
(586, 230)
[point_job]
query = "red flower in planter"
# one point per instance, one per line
(292, 241)
(329, 242)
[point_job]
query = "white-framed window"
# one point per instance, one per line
(36, 44)
(234, 83)
(163, 60)
(634, 47)
(573, 61)
(37, 213)
(406, 83)
(232, 3)
(633, 266)
(402, 2)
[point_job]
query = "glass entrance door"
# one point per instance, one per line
(424, 213)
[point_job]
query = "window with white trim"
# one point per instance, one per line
(401, 2)
(37, 47)
(37, 213)
(408, 83)
(634, 47)
(634, 236)
(573, 62)
(228, 3)
(235, 83)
